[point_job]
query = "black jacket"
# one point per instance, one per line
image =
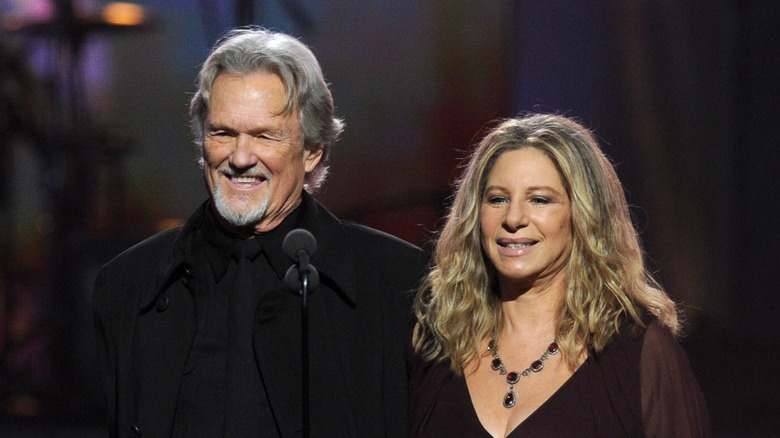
(359, 325)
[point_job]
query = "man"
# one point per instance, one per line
(198, 335)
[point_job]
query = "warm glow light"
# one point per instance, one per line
(123, 14)
(168, 223)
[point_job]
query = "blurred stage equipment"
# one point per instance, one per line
(51, 112)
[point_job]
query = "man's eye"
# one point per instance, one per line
(268, 137)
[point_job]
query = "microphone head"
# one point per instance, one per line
(299, 240)
(293, 278)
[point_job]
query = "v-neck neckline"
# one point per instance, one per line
(576, 375)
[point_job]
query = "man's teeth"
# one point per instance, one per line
(517, 245)
(245, 179)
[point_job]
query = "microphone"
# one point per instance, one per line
(300, 245)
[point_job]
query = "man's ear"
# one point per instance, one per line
(312, 157)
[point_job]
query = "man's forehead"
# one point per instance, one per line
(262, 81)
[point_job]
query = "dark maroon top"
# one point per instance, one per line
(641, 385)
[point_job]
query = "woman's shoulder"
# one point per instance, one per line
(620, 361)
(662, 357)
(637, 336)
(660, 340)
(648, 351)
(424, 371)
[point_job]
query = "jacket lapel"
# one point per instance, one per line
(163, 337)
(163, 333)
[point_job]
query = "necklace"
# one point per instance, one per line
(512, 377)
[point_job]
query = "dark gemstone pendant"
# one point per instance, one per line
(513, 377)
(509, 399)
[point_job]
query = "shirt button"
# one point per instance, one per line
(187, 275)
(136, 430)
(162, 302)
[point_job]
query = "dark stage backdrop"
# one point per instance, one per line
(96, 155)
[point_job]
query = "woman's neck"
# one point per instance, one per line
(532, 312)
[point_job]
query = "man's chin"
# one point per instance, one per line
(240, 218)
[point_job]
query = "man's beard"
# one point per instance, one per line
(238, 219)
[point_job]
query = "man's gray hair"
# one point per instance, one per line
(247, 50)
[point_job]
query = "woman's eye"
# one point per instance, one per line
(495, 200)
(538, 200)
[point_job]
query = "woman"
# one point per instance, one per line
(539, 317)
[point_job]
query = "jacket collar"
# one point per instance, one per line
(221, 246)
(179, 263)
(333, 259)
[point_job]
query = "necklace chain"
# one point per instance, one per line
(513, 377)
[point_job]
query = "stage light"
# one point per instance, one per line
(123, 14)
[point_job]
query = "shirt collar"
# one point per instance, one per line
(221, 245)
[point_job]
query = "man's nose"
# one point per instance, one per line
(243, 155)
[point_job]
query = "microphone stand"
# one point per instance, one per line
(305, 347)
(302, 276)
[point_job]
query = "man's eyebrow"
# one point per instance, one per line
(217, 127)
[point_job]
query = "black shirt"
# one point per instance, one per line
(222, 391)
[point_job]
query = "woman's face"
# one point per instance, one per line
(526, 219)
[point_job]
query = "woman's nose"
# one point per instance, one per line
(516, 216)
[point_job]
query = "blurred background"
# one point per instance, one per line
(96, 154)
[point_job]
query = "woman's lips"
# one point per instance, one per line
(515, 247)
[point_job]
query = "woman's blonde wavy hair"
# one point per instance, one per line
(607, 283)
